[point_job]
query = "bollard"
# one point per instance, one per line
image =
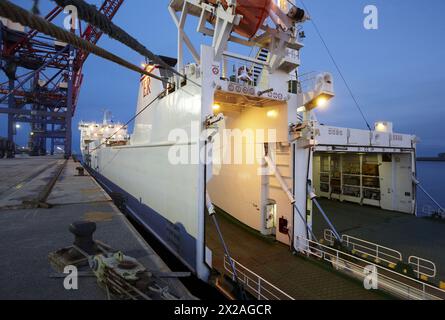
(118, 200)
(83, 236)
(80, 171)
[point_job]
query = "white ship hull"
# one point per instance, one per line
(167, 199)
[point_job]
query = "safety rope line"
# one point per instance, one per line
(348, 87)
(90, 14)
(22, 16)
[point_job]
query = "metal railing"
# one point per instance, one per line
(441, 209)
(377, 252)
(255, 284)
(423, 267)
(388, 280)
(232, 67)
(432, 211)
(306, 81)
(373, 250)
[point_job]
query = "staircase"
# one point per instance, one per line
(262, 55)
(283, 161)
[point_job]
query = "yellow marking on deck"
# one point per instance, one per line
(89, 191)
(98, 216)
(392, 265)
(423, 278)
(442, 285)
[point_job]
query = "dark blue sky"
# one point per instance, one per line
(396, 72)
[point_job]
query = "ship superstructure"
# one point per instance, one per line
(106, 133)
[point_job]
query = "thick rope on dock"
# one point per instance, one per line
(20, 15)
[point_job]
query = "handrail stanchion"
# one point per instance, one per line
(418, 268)
(259, 289)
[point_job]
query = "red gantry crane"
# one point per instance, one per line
(43, 80)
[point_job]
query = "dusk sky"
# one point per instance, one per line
(396, 72)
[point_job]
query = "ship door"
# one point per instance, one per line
(271, 216)
(404, 193)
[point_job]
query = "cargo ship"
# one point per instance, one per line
(238, 132)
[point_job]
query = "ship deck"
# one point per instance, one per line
(422, 237)
(303, 278)
(298, 277)
(27, 236)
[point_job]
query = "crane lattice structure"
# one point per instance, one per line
(43, 79)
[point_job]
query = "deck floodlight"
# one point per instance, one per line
(384, 126)
(319, 101)
(381, 126)
(322, 102)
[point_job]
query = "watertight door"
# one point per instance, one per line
(403, 183)
(396, 183)
(386, 183)
(271, 215)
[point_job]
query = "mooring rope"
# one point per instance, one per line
(20, 15)
(90, 14)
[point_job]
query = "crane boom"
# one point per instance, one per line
(44, 78)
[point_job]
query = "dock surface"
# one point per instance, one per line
(27, 236)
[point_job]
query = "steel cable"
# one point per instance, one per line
(348, 87)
